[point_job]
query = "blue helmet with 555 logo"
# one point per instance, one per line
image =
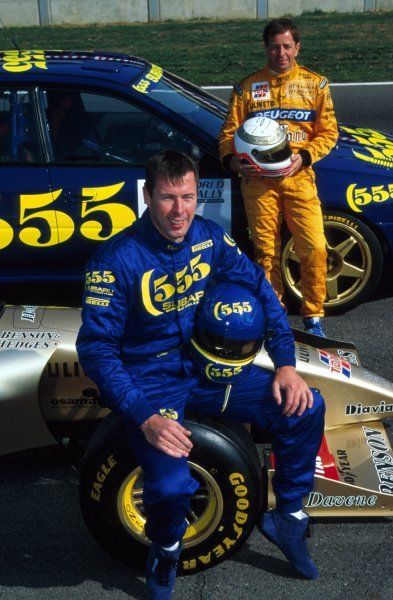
(228, 332)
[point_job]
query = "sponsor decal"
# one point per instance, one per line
(102, 474)
(325, 465)
(322, 84)
(213, 371)
(182, 303)
(228, 240)
(211, 191)
(358, 197)
(344, 467)
(96, 289)
(82, 401)
(382, 459)
(169, 413)
(222, 310)
(303, 353)
(28, 340)
(238, 89)
(28, 313)
(202, 246)
(64, 369)
(373, 378)
(299, 89)
(373, 409)
(240, 492)
(263, 104)
(378, 146)
(260, 91)
(20, 61)
(287, 114)
(349, 356)
(97, 301)
(317, 499)
(297, 136)
(319, 470)
(160, 294)
(335, 363)
(95, 214)
(147, 82)
(99, 277)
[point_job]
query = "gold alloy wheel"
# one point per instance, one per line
(204, 515)
(349, 264)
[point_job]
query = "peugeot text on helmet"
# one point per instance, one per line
(264, 144)
(228, 333)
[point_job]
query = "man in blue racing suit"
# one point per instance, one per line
(141, 295)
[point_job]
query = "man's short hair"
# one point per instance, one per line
(280, 26)
(170, 165)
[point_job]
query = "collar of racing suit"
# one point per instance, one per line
(279, 78)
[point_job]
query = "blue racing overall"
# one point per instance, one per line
(141, 294)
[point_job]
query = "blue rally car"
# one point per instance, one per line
(76, 131)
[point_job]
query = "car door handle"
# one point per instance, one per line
(77, 197)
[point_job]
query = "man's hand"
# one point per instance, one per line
(248, 170)
(295, 166)
(167, 435)
(298, 395)
(237, 166)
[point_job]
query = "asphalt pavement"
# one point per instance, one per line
(47, 553)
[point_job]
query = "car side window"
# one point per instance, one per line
(18, 133)
(89, 128)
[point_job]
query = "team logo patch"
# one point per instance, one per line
(169, 413)
(260, 91)
(335, 363)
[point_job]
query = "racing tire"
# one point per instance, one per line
(223, 510)
(354, 263)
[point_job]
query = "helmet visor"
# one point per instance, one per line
(223, 347)
(275, 156)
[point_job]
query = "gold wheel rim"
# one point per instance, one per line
(349, 264)
(205, 512)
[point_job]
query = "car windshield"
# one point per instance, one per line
(191, 102)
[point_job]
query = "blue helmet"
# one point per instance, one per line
(228, 333)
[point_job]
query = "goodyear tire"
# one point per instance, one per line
(223, 510)
(355, 262)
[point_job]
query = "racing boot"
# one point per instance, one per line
(288, 533)
(161, 571)
(313, 325)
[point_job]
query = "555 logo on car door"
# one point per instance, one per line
(42, 225)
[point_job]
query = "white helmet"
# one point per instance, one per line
(264, 144)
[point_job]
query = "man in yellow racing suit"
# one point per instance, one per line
(300, 100)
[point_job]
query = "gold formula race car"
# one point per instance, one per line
(45, 399)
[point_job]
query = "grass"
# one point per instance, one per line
(342, 46)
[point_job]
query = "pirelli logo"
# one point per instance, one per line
(97, 301)
(202, 246)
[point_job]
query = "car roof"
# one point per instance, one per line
(45, 64)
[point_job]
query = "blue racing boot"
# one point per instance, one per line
(313, 325)
(161, 571)
(289, 534)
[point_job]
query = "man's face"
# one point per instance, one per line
(281, 52)
(172, 206)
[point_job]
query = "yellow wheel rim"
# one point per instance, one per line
(348, 264)
(205, 512)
